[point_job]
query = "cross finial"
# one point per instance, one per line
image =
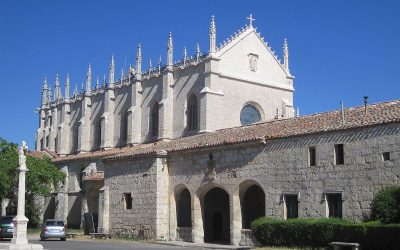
(251, 19)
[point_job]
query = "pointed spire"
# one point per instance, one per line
(56, 88)
(251, 19)
(213, 36)
(112, 69)
(49, 95)
(170, 51)
(139, 60)
(184, 55)
(88, 79)
(286, 56)
(159, 65)
(75, 90)
(44, 92)
(122, 74)
(197, 52)
(67, 83)
(150, 67)
(97, 83)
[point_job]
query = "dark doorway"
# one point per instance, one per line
(184, 209)
(253, 205)
(216, 216)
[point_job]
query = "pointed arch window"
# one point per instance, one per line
(154, 117)
(97, 138)
(192, 113)
(124, 128)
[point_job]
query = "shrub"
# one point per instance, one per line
(386, 205)
(305, 232)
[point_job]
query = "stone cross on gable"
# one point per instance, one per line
(251, 19)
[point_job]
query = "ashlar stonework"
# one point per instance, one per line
(208, 185)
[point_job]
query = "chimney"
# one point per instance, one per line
(365, 104)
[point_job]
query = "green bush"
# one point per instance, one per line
(320, 232)
(386, 205)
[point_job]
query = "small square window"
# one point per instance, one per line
(339, 154)
(311, 156)
(386, 156)
(128, 200)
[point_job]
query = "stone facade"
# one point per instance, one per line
(243, 71)
(278, 166)
(209, 186)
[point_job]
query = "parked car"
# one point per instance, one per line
(6, 227)
(53, 229)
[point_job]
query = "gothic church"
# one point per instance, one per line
(194, 150)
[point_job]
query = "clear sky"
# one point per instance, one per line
(339, 50)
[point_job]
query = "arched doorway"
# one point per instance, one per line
(253, 205)
(183, 209)
(216, 216)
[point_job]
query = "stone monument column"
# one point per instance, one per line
(19, 240)
(20, 221)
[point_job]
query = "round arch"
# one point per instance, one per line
(251, 112)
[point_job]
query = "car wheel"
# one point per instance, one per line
(63, 239)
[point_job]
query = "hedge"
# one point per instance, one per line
(320, 232)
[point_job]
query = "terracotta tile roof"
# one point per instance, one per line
(98, 176)
(39, 154)
(380, 113)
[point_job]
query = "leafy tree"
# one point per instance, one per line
(386, 205)
(41, 178)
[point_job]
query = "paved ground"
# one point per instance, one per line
(98, 245)
(84, 243)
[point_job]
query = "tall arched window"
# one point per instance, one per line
(124, 129)
(154, 120)
(97, 135)
(183, 209)
(192, 113)
(249, 114)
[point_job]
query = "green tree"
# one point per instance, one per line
(42, 177)
(386, 205)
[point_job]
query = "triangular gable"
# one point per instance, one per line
(242, 34)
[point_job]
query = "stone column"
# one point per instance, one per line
(53, 129)
(104, 210)
(211, 97)
(64, 129)
(19, 240)
(172, 217)
(107, 119)
(167, 107)
(162, 201)
(197, 221)
(84, 125)
(236, 219)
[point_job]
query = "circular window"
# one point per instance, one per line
(249, 115)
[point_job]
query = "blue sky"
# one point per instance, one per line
(339, 50)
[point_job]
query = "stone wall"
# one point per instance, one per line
(281, 166)
(138, 178)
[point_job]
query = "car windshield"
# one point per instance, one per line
(54, 223)
(6, 220)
